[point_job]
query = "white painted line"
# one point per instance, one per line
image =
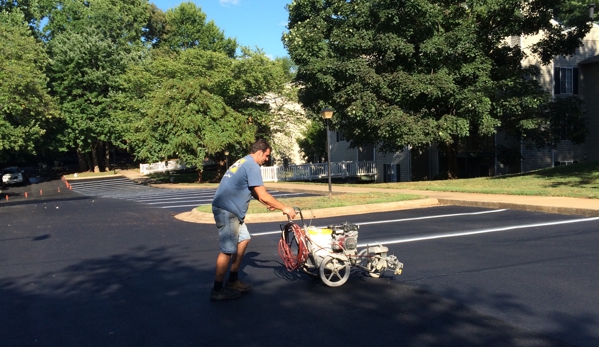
(476, 232)
(172, 194)
(198, 202)
(402, 220)
(177, 206)
(431, 217)
(287, 194)
(173, 199)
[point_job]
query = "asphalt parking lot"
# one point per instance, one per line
(88, 271)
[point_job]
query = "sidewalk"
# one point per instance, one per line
(559, 205)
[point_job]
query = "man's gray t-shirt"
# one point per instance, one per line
(233, 193)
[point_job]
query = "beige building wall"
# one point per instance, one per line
(566, 152)
(340, 150)
(591, 85)
(402, 159)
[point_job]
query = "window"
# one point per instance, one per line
(340, 136)
(565, 80)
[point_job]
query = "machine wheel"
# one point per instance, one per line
(334, 272)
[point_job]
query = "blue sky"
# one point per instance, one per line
(254, 23)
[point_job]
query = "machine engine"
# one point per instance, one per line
(345, 237)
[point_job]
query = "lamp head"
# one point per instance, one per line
(327, 113)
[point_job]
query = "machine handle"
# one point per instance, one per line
(297, 211)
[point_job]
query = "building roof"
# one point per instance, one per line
(590, 60)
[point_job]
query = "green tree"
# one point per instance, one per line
(568, 11)
(155, 29)
(186, 27)
(33, 11)
(91, 43)
(26, 108)
(416, 72)
(313, 143)
(195, 104)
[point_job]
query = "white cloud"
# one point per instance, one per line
(228, 2)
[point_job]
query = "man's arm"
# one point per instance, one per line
(260, 193)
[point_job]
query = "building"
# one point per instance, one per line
(573, 75)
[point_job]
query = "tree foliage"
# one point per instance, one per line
(123, 73)
(415, 72)
(33, 11)
(91, 43)
(313, 143)
(569, 11)
(26, 108)
(186, 27)
(195, 104)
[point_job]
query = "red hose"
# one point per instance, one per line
(293, 260)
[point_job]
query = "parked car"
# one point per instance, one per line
(13, 175)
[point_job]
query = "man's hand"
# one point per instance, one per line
(289, 211)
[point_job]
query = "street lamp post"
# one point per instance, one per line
(227, 159)
(327, 114)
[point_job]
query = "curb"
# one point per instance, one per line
(92, 177)
(522, 207)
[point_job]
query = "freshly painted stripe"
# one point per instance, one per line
(477, 232)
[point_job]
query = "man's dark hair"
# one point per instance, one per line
(260, 145)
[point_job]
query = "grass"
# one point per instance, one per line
(338, 200)
(577, 181)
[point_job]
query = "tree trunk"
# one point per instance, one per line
(452, 160)
(95, 157)
(106, 156)
(223, 166)
(199, 176)
(81, 159)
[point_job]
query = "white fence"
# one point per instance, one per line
(170, 165)
(308, 172)
(303, 172)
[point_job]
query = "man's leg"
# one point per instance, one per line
(228, 231)
(222, 263)
(241, 247)
(219, 292)
(234, 282)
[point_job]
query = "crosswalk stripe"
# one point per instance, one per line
(125, 189)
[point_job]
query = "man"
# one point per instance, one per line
(242, 181)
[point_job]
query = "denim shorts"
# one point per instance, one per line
(231, 230)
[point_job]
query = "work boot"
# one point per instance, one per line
(224, 294)
(239, 286)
